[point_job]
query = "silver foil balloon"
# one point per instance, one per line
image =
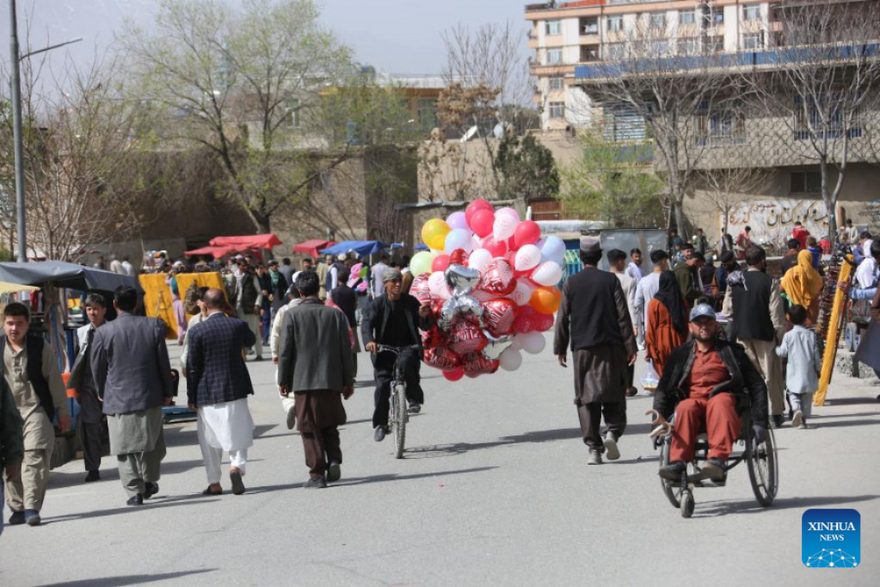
(497, 345)
(463, 306)
(461, 279)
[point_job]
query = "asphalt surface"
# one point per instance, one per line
(493, 490)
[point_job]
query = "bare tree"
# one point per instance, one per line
(819, 91)
(728, 187)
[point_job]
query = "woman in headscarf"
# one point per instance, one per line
(802, 285)
(666, 329)
(866, 274)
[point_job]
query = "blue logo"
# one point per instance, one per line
(831, 538)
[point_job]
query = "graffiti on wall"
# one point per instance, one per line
(773, 220)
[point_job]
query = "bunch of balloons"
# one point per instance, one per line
(492, 282)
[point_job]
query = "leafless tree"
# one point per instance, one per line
(819, 89)
(728, 187)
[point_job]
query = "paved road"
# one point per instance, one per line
(494, 491)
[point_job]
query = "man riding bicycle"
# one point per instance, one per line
(703, 383)
(394, 319)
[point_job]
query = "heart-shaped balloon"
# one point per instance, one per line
(421, 290)
(460, 307)
(499, 315)
(479, 364)
(498, 278)
(496, 344)
(433, 338)
(466, 337)
(442, 357)
(461, 279)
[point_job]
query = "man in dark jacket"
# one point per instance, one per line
(345, 299)
(132, 374)
(594, 316)
(218, 386)
(704, 383)
(394, 319)
(11, 440)
(687, 274)
(314, 363)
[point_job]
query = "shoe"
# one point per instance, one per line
(32, 517)
(415, 408)
(93, 476)
(714, 469)
(210, 491)
(379, 433)
(797, 419)
(673, 471)
(135, 500)
(803, 425)
(631, 392)
(16, 518)
(334, 472)
(256, 359)
(237, 483)
(150, 489)
(315, 483)
(594, 457)
(611, 450)
(291, 418)
(777, 420)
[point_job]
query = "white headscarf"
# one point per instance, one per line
(866, 274)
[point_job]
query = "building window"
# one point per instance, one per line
(713, 16)
(554, 56)
(751, 13)
(557, 110)
(589, 26)
(805, 182)
(556, 83)
(657, 20)
(293, 109)
(614, 51)
(811, 122)
(687, 46)
(589, 53)
(427, 114)
(753, 41)
(614, 24)
(659, 48)
(622, 124)
(719, 128)
(554, 27)
(687, 17)
(715, 44)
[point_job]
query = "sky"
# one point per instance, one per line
(395, 36)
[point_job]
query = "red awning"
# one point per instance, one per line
(311, 247)
(242, 243)
(216, 251)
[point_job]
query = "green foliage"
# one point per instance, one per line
(611, 182)
(526, 167)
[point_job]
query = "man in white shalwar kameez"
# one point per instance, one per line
(287, 403)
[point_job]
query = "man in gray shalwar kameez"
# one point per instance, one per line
(595, 318)
(133, 377)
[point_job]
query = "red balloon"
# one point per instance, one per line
(458, 257)
(527, 233)
(497, 278)
(420, 290)
(526, 320)
(475, 207)
(511, 244)
(496, 248)
(499, 315)
(440, 263)
(433, 338)
(442, 358)
(465, 337)
(479, 364)
(454, 375)
(481, 222)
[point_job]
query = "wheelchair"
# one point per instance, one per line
(761, 460)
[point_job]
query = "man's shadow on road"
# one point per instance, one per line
(751, 506)
(352, 481)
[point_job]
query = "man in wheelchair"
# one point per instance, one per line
(703, 384)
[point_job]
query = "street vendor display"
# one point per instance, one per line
(491, 281)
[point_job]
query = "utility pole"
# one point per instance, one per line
(16, 133)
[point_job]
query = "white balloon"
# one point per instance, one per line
(459, 239)
(504, 227)
(532, 342)
(438, 287)
(509, 212)
(523, 292)
(553, 248)
(548, 273)
(510, 359)
(479, 259)
(527, 257)
(516, 345)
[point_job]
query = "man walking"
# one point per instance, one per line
(314, 364)
(322, 271)
(218, 386)
(754, 304)
(30, 369)
(249, 303)
(634, 269)
(594, 318)
(294, 299)
(91, 417)
(344, 298)
(376, 273)
(646, 289)
(133, 377)
(616, 263)
(687, 274)
(11, 441)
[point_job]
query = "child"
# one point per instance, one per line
(804, 364)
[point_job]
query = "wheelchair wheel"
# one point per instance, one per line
(687, 503)
(763, 468)
(671, 490)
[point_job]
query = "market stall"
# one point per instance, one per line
(313, 247)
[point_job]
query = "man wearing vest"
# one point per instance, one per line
(249, 302)
(753, 302)
(30, 369)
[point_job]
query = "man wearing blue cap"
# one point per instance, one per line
(703, 384)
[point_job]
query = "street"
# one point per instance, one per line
(493, 490)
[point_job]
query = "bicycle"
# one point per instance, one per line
(398, 415)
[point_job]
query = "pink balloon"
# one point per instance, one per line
(527, 233)
(504, 226)
(438, 287)
(440, 263)
(523, 292)
(496, 248)
(481, 222)
(476, 206)
(457, 220)
(513, 214)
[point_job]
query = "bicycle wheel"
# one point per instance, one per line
(763, 469)
(400, 417)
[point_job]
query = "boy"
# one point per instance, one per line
(804, 364)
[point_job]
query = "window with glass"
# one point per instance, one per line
(687, 17)
(614, 24)
(657, 20)
(427, 114)
(557, 110)
(590, 26)
(687, 46)
(554, 56)
(556, 83)
(293, 108)
(659, 47)
(716, 44)
(805, 182)
(554, 27)
(716, 127)
(753, 41)
(751, 13)
(615, 51)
